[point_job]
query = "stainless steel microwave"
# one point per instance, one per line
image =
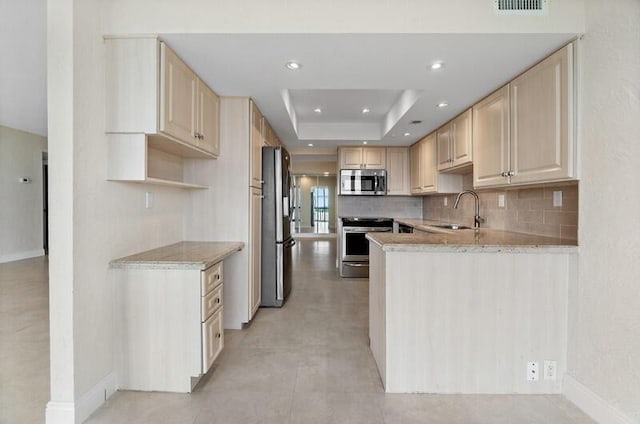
(363, 182)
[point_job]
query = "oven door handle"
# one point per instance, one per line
(366, 230)
(355, 264)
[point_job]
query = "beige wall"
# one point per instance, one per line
(21, 210)
(95, 220)
(604, 350)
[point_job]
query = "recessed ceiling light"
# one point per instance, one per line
(436, 65)
(310, 144)
(364, 142)
(407, 134)
(293, 65)
(443, 104)
(317, 110)
(366, 110)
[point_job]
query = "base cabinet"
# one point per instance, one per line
(172, 326)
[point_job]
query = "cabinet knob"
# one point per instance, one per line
(218, 335)
(217, 300)
(505, 174)
(217, 276)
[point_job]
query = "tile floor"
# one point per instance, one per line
(308, 362)
(24, 341)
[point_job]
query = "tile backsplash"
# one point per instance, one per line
(526, 210)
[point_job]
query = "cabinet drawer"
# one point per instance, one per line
(211, 277)
(212, 339)
(211, 302)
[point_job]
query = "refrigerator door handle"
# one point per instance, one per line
(290, 243)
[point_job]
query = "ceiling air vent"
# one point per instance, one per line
(521, 7)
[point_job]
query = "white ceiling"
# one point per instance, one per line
(342, 73)
(23, 72)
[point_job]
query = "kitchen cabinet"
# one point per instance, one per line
(171, 315)
(425, 178)
(398, 171)
(270, 136)
(363, 158)
(491, 139)
(255, 245)
(256, 142)
(158, 114)
(455, 144)
(524, 133)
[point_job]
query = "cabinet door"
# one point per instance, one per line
(462, 140)
(414, 168)
(398, 171)
(256, 146)
(255, 253)
(443, 137)
(208, 119)
(177, 97)
(428, 165)
(351, 158)
(212, 339)
(491, 139)
(374, 157)
(542, 120)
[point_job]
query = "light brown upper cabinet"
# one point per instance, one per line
(150, 90)
(455, 143)
(524, 133)
(208, 117)
(363, 158)
(158, 113)
(425, 177)
(257, 141)
(398, 171)
(491, 139)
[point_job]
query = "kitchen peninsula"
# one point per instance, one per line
(465, 311)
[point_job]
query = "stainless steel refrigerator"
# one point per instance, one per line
(276, 228)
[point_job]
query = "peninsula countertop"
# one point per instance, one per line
(471, 240)
(183, 255)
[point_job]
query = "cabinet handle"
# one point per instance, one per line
(217, 300)
(511, 174)
(218, 335)
(505, 174)
(218, 277)
(261, 181)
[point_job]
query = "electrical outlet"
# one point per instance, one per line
(557, 199)
(501, 200)
(532, 371)
(148, 200)
(446, 201)
(550, 370)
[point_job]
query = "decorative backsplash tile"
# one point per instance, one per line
(526, 210)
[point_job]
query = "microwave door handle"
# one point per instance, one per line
(376, 183)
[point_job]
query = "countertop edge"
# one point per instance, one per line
(124, 263)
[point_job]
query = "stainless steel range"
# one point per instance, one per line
(354, 261)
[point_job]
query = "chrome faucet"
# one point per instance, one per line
(476, 218)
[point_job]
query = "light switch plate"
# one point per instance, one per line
(148, 200)
(501, 200)
(446, 200)
(557, 199)
(550, 370)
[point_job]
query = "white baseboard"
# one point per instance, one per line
(95, 397)
(60, 413)
(592, 404)
(78, 411)
(18, 256)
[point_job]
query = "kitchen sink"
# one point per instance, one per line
(452, 226)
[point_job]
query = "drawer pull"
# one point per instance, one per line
(218, 335)
(218, 277)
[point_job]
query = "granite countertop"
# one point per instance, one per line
(481, 240)
(184, 255)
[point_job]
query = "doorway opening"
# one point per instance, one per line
(314, 205)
